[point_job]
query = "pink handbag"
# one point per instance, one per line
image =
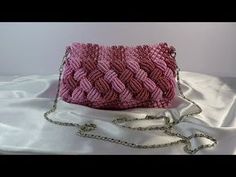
(119, 77)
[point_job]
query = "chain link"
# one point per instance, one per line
(167, 128)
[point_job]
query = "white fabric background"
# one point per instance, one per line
(23, 130)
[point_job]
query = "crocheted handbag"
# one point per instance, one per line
(119, 77)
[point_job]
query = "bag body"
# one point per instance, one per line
(119, 77)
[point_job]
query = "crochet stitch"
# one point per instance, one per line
(119, 77)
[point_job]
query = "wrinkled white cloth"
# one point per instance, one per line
(23, 129)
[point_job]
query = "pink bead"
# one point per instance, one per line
(93, 95)
(110, 75)
(79, 74)
(141, 75)
(149, 84)
(77, 94)
(133, 66)
(117, 85)
(157, 94)
(85, 85)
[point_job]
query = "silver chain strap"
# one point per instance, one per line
(167, 128)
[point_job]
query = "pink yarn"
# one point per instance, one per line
(119, 77)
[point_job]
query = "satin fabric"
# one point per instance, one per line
(23, 129)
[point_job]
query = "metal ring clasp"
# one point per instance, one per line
(172, 52)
